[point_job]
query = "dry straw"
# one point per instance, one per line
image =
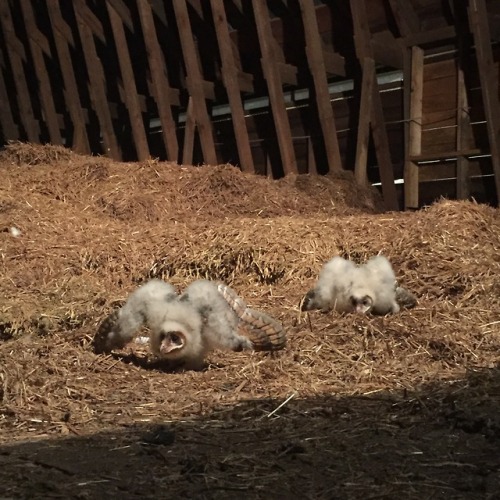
(93, 229)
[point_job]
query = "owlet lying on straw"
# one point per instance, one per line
(187, 327)
(346, 287)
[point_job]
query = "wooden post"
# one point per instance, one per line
(194, 81)
(478, 21)
(62, 37)
(365, 111)
(230, 77)
(271, 72)
(464, 130)
(161, 88)
(316, 63)
(130, 97)
(414, 87)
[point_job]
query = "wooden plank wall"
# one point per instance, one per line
(134, 79)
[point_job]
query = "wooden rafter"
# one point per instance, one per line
(230, 69)
(274, 85)
(364, 52)
(317, 67)
(63, 37)
(88, 25)
(131, 96)
(160, 89)
(195, 81)
(9, 127)
(17, 55)
(40, 46)
(405, 16)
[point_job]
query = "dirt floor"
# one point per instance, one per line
(403, 406)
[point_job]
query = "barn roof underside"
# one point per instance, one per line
(293, 86)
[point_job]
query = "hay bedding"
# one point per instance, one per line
(404, 406)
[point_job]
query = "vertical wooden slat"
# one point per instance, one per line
(414, 146)
(381, 143)
(463, 134)
(160, 81)
(45, 91)
(194, 81)
(478, 20)
(274, 86)
(16, 54)
(230, 77)
(63, 37)
(97, 87)
(316, 63)
(365, 109)
(131, 97)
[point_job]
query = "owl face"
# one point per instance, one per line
(171, 341)
(361, 304)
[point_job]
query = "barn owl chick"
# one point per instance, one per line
(187, 327)
(373, 287)
(332, 288)
(345, 287)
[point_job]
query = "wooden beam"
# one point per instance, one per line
(387, 50)
(230, 76)
(131, 97)
(364, 51)
(430, 36)
(15, 51)
(160, 82)
(194, 81)
(62, 38)
(9, 128)
(334, 62)
(274, 85)
(123, 12)
(365, 110)
(464, 130)
(45, 91)
(405, 16)
(478, 21)
(314, 51)
(413, 86)
(97, 85)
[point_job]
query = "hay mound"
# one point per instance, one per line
(27, 154)
(92, 230)
(153, 190)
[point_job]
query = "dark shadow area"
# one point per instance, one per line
(440, 442)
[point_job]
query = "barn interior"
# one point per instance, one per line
(248, 142)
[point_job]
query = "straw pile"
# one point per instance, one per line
(398, 406)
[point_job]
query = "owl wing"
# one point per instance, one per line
(265, 333)
(405, 298)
